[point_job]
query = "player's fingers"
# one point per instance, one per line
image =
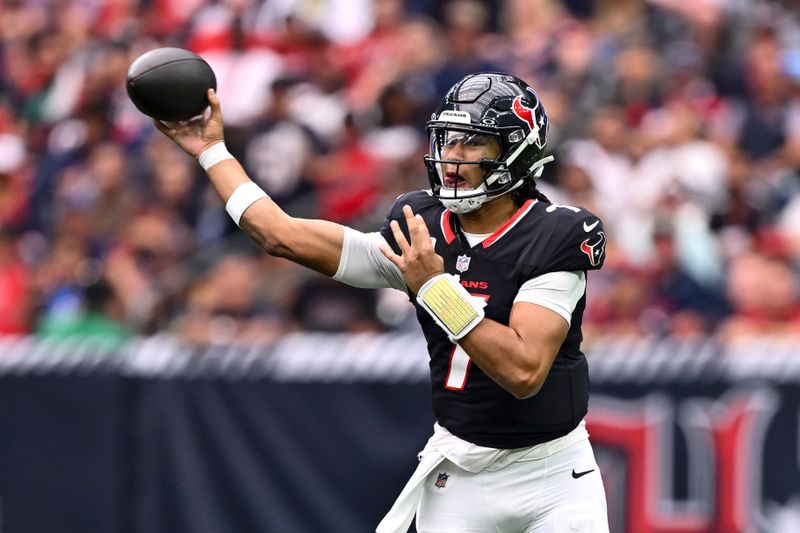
(390, 255)
(412, 223)
(422, 231)
(399, 237)
(216, 109)
(164, 128)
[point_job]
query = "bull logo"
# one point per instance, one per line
(595, 250)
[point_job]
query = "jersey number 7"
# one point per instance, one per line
(458, 369)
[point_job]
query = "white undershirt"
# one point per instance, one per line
(363, 265)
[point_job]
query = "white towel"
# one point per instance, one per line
(471, 457)
(442, 445)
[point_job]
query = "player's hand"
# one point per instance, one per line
(197, 134)
(418, 261)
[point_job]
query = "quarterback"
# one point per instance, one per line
(497, 274)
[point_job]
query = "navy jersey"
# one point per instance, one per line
(538, 239)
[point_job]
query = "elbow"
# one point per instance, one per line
(276, 248)
(529, 380)
(270, 238)
(527, 388)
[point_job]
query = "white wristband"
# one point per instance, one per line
(243, 197)
(453, 309)
(213, 155)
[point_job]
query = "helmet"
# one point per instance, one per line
(487, 106)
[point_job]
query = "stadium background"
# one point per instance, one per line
(158, 373)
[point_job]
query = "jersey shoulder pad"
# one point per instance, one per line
(419, 201)
(580, 240)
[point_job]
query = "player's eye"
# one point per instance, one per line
(470, 140)
(476, 140)
(453, 138)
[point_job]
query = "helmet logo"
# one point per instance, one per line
(524, 112)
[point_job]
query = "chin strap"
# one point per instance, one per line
(538, 167)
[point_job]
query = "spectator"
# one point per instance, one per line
(98, 322)
(227, 306)
(277, 149)
(244, 70)
(15, 303)
(324, 305)
(764, 294)
(147, 267)
(15, 181)
(56, 284)
(346, 179)
(659, 110)
(465, 27)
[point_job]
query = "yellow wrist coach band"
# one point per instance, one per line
(450, 305)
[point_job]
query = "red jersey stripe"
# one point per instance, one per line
(447, 229)
(505, 228)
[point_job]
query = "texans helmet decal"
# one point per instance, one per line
(524, 112)
(528, 115)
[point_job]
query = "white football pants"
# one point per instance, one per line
(559, 492)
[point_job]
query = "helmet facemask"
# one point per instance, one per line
(485, 106)
(454, 153)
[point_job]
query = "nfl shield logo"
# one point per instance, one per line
(441, 480)
(462, 263)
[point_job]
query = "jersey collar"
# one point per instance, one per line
(510, 223)
(446, 224)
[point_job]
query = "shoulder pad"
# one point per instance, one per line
(581, 240)
(418, 200)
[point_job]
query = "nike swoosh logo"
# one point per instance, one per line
(576, 475)
(589, 227)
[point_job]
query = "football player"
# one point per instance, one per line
(497, 274)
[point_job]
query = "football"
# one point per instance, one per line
(170, 84)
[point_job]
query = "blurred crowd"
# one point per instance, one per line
(676, 121)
